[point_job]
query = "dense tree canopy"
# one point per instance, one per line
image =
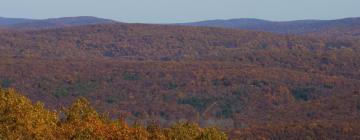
(246, 83)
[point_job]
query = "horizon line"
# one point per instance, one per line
(204, 20)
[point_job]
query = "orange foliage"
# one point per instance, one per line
(20, 119)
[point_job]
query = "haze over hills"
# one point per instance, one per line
(18, 23)
(341, 28)
(286, 27)
(12, 21)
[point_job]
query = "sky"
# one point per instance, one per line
(179, 11)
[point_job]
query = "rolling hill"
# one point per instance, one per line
(286, 27)
(15, 23)
(340, 28)
(242, 81)
(12, 21)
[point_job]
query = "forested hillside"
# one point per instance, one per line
(250, 84)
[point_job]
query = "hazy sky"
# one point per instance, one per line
(171, 11)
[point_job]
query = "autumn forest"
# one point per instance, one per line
(110, 80)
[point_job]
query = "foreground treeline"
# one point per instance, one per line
(21, 119)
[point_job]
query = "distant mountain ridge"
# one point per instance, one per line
(12, 21)
(347, 27)
(286, 27)
(19, 23)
